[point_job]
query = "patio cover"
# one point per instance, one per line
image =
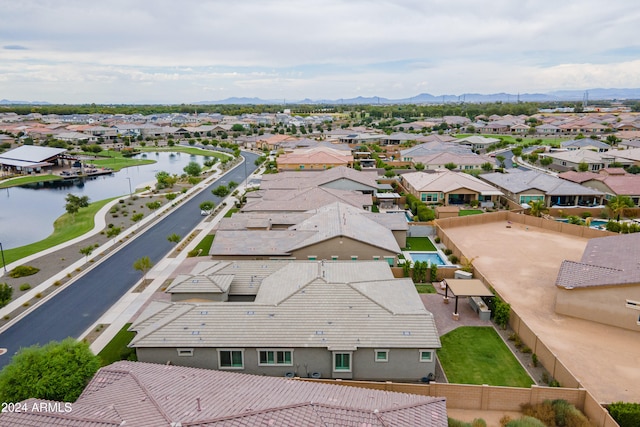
(466, 288)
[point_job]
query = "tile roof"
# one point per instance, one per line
(305, 199)
(606, 261)
(517, 182)
(299, 180)
(334, 220)
(447, 181)
(304, 304)
(145, 394)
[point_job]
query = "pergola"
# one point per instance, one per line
(465, 288)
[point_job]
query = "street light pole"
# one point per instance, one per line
(130, 192)
(4, 266)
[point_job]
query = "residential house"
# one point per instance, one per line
(318, 158)
(585, 143)
(335, 231)
(465, 162)
(323, 319)
(611, 182)
(571, 160)
(397, 138)
(433, 147)
(476, 142)
(548, 129)
(303, 199)
(446, 187)
(604, 286)
(523, 187)
(339, 178)
(153, 395)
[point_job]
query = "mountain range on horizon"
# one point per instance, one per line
(597, 94)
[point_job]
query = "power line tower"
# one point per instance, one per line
(585, 99)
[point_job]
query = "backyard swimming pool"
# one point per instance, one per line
(429, 257)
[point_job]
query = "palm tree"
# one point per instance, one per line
(537, 208)
(618, 204)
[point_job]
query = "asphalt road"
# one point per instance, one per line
(78, 306)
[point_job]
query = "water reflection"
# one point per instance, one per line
(27, 213)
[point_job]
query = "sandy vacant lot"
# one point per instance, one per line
(522, 264)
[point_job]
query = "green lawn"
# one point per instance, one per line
(420, 244)
(465, 212)
(205, 244)
(425, 288)
(116, 161)
(117, 348)
(28, 180)
(477, 355)
(64, 228)
(189, 150)
(231, 212)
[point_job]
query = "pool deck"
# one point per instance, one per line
(522, 263)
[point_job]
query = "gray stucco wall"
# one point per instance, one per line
(402, 364)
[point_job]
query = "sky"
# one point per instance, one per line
(172, 52)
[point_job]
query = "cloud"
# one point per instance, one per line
(116, 50)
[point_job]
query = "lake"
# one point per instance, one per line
(27, 213)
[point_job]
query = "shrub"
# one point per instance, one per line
(554, 383)
(448, 251)
(454, 259)
(437, 239)
(542, 411)
(525, 349)
(534, 360)
(625, 414)
(39, 295)
(171, 196)
(501, 312)
(6, 291)
(525, 421)
(586, 215)
(22, 271)
(25, 287)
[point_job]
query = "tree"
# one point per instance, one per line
(451, 166)
(419, 166)
(221, 191)
(86, 251)
(74, 203)
(583, 167)
(237, 127)
(232, 184)
(618, 204)
(174, 238)
(500, 158)
(206, 206)
(537, 208)
(546, 161)
(193, 169)
(137, 217)
(56, 371)
(143, 264)
(487, 166)
(6, 292)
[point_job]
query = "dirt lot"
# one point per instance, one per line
(522, 264)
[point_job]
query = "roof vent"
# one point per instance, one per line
(250, 313)
(406, 333)
(195, 332)
(319, 332)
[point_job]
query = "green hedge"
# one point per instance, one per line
(625, 414)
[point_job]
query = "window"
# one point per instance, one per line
(376, 257)
(312, 257)
(633, 304)
(390, 260)
(381, 355)
(334, 257)
(354, 257)
(275, 357)
(527, 199)
(301, 166)
(429, 197)
(185, 352)
(231, 359)
(426, 356)
(342, 362)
